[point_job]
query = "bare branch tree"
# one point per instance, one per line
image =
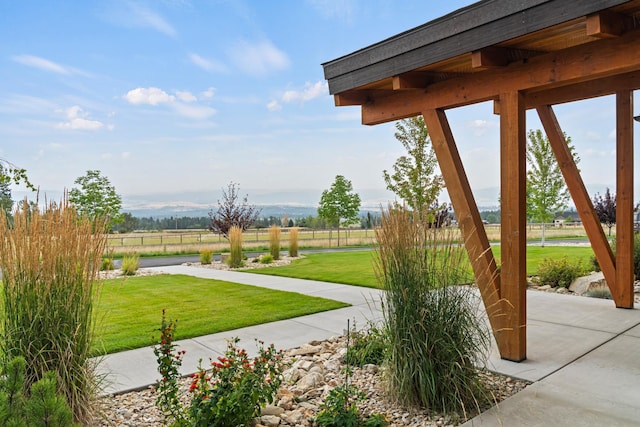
(232, 212)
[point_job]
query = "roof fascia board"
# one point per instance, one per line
(404, 52)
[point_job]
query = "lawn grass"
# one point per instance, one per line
(349, 268)
(356, 268)
(537, 254)
(129, 310)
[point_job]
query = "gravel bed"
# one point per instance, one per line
(314, 369)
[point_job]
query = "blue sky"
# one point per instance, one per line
(173, 99)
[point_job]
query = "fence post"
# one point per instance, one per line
(330, 237)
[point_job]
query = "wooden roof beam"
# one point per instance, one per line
(589, 62)
(490, 57)
(607, 24)
(412, 80)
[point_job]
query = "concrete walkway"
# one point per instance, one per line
(135, 369)
(583, 353)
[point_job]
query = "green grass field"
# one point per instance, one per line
(129, 310)
(350, 268)
(356, 268)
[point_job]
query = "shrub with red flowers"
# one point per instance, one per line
(229, 394)
(169, 362)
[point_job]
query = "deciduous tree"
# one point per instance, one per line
(546, 190)
(605, 208)
(415, 178)
(232, 212)
(339, 204)
(96, 197)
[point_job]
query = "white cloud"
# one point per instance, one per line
(144, 17)
(208, 94)
(45, 64)
(274, 106)
(77, 119)
(310, 91)
(125, 155)
(183, 102)
(342, 10)
(481, 127)
(150, 96)
(259, 58)
(209, 65)
(185, 96)
(194, 111)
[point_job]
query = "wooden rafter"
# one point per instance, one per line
(589, 62)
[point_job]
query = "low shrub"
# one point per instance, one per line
(367, 347)
(107, 264)
(206, 256)
(636, 256)
(559, 272)
(266, 259)
(599, 292)
(130, 265)
(230, 393)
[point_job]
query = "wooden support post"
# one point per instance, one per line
(469, 221)
(513, 276)
(571, 174)
(622, 289)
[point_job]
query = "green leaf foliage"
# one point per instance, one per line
(415, 178)
(96, 197)
(546, 190)
(340, 204)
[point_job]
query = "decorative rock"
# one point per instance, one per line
(298, 402)
(309, 381)
(582, 285)
(306, 349)
(562, 290)
(272, 410)
(544, 287)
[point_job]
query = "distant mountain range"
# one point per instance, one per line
(295, 204)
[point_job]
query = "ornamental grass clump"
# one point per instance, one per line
(50, 260)
(235, 242)
(293, 242)
(130, 265)
(274, 242)
(436, 337)
(206, 256)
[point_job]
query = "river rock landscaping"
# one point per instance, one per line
(314, 369)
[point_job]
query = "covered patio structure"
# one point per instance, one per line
(527, 54)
